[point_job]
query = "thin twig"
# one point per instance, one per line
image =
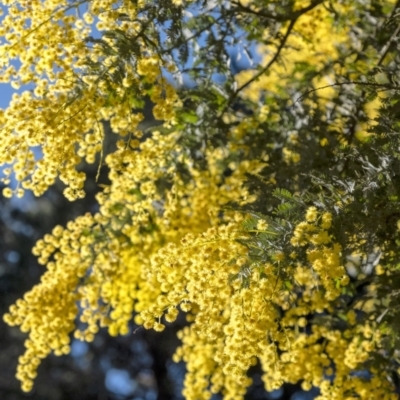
(278, 17)
(386, 48)
(271, 62)
(263, 70)
(380, 85)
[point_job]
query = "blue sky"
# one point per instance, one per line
(6, 92)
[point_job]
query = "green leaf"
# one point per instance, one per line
(282, 194)
(189, 117)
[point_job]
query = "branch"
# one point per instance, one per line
(194, 36)
(386, 48)
(263, 70)
(290, 16)
(380, 85)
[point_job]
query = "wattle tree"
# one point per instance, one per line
(263, 204)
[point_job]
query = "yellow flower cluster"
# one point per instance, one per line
(323, 254)
(238, 316)
(234, 326)
(102, 262)
(62, 113)
(327, 358)
(319, 35)
(229, 323)
(48, 311)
